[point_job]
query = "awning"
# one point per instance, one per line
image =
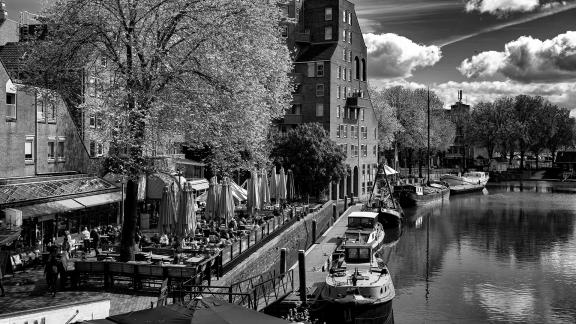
(102, 199)
(49, 208)
(200, 184)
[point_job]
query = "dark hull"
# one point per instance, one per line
(390, 217)
(466, 189)
(335, 313)
(408, 199)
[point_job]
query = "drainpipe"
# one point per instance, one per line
(35, 131)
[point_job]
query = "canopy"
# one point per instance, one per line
(186, 211)
(282, 185)
(389, 170)
(264, 190)
(253, 201)
(167, 213)
(198, 311)
(273, 184)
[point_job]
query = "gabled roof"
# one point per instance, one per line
(10, 55)
(320, 52)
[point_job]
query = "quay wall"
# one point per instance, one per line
(294, 238)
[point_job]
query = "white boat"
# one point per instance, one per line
(468, 182)
(358, 285)
(364, 228)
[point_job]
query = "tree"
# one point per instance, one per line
(388, 124)
(526, 109)
(204, 72)
(563, 131)
(313, 157)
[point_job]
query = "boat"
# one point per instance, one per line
(382, 200)
(364, 228)
(358, 286)
(423, 193)
(468, 182)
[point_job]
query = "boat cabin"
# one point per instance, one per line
(363, 220)
(357, 253)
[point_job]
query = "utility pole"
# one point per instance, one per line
(428, 162)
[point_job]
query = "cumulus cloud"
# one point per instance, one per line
(527, 59)
(393, 56)
(499, 7)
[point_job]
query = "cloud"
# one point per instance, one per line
(527, 59)
(499, 7)
(393, 56)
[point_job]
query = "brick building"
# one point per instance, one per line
(459, 155)
(330, 69)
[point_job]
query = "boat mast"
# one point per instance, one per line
(428, 162)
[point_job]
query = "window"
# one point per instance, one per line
(375, 150)
(364, 132)
(40, 109)
(350, 18)
(92, 121)
(344, 54)
(60, 151)
(319, 110)
(328, 33)
(344, 14)
(352, 150)
(320, 69)
(11, 105)
(364, 150)
(338, 130)
(339, 72)
(100, 150)
(344, 94)
(29, 149)
(363, 69)
(311, 69)
(345, 131)
(349, 59)
(350, 36)
(295, 110)
(328, 14)
(99, 122)
(320, 90)
(338, 92)
(345, 74)
(92, 87)
(92, 148)
(51, 151)
(51, 112)
(352, 131)
(344, 33)
(366, 136)
(284, 31)
(338, 111)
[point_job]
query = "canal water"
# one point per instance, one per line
(507, 255)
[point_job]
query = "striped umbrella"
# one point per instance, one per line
(290, 191)
(212, 199)
(282, 185)
(273, 185)
(264, 190)
(253, 201)
(226, 205)
(167, 214)
(186, 211)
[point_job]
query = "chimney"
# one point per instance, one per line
(459, 95)
(3, 13)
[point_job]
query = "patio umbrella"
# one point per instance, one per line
(186, 211)
(212, 199)
(290, 191)
(273, 185)
(282, 185)
(198, 311)
(264, 190)
(226, 205)
(167, 214)
(253, 201)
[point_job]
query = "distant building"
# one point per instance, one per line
(330, 71)
(459, 155)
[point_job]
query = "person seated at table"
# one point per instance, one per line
(86, 237)
(66, 246)
(164, 240)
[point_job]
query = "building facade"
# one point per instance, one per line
(330, 69)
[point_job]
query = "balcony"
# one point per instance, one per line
(303, 37)
(356, 102)
(292, 119)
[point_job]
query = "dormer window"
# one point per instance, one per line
(328, 14)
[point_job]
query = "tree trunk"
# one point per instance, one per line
(419, 163)
(553, 152)
(522, 159)
(537, 154)
(511, 157)
(128, 243)
(409, 160)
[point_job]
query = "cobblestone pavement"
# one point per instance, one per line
(28, 290)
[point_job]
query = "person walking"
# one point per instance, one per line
(86, 237)
(51, 271)
(95, 240)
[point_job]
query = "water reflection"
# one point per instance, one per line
(506, 256)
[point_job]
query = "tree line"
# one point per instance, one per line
(524, 124)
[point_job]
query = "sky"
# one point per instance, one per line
(487, 48)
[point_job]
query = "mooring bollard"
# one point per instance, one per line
(302, 275)
(282, 261)
(314, 231)
(334, 212)
(345, 202)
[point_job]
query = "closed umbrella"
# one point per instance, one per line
(273, 185)
(226, 205)
(264, 190)
(290, 191)
(212, 199)
(186, 211)
(282, 185)
(167, 215)
(253, 201)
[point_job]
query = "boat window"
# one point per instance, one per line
(360, 222)
(364, 254)
(352, 254)
(357, 255)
